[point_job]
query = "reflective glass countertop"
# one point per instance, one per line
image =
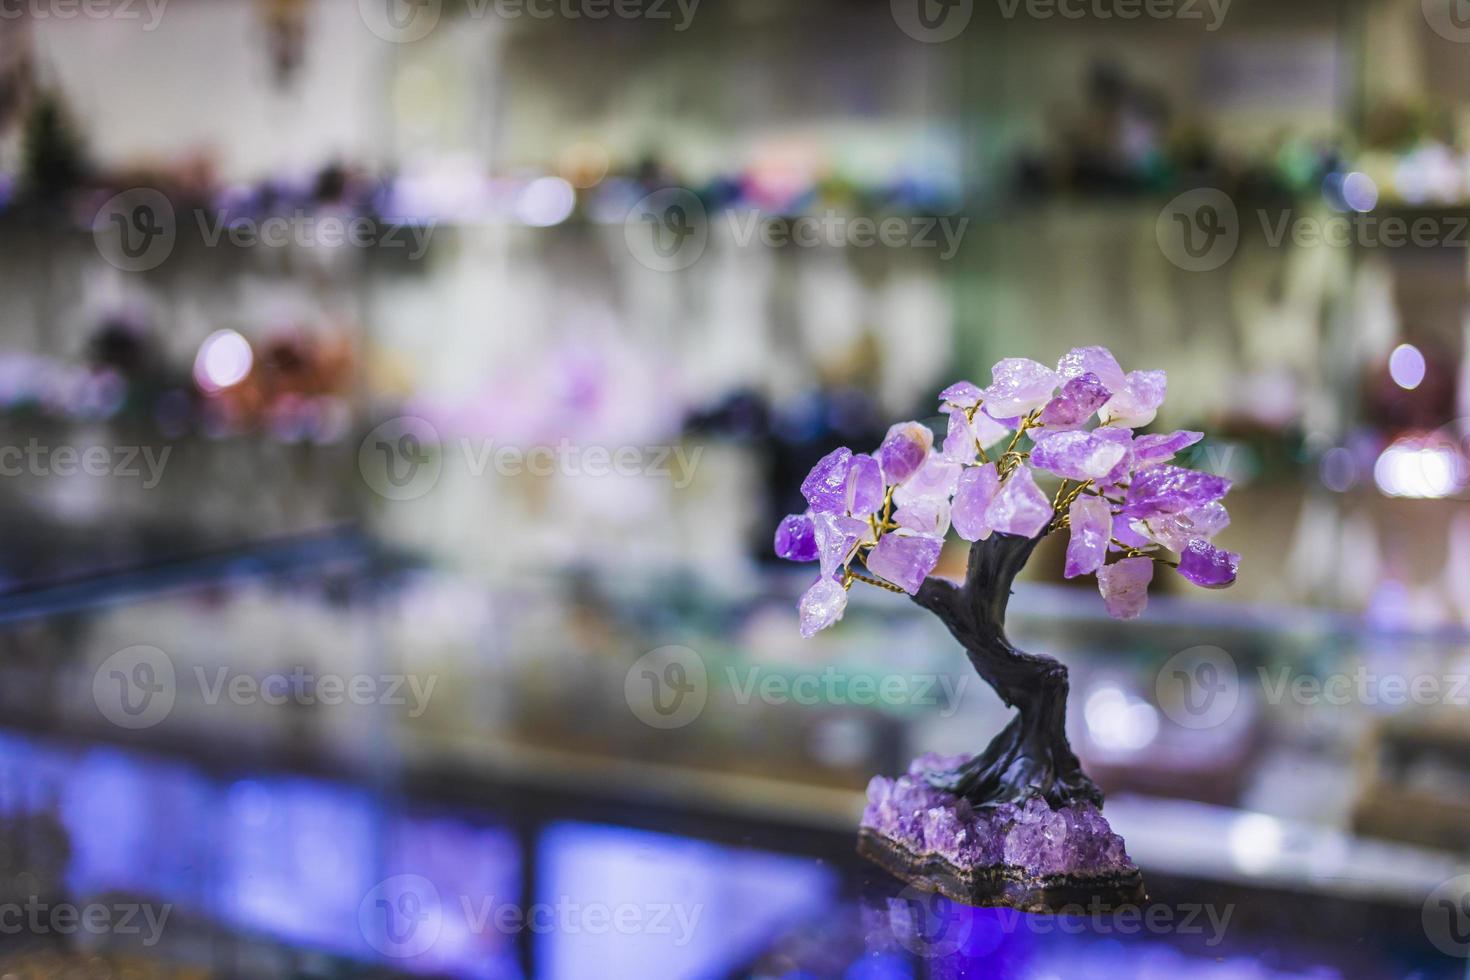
(317, 760)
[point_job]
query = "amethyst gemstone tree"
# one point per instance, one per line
(1019, 824)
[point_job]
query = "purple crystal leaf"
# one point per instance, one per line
(1129, 535)
(1138, 401)
(1167, 489)
(1097, 361)
(1205, 565)
(1017, 386)
(1153, 449)
(1075, 404)
(1019, 507)
(905, 560)
(1124, 586)
(825, 487)
(837, 535)
(821, 606)
(959, 440)
(1077, 455)
(796, 539)
(904, 450)
(963, 394)
(1175, 531)
(926, 515)
(972, 497)
(1092, 528)
(864, 494)
(935, 479)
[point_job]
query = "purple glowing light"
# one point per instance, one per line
(1406, 366)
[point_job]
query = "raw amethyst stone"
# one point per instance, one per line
(1032, 838)
(964, 394)
(1075, 404)
(1139, 400)
(904, 450)
(1204, 564)
(821, 606)
(936, 479)
(1097, 361)
(1167, 489)
(1124, 586)
(972, 497)
(959, 439)
(1092, 528)
(864, 486)
(1018, 385)
(1176, 531)
(1019, 506)
(1153, 449)
(927, 515)
(1077, 455)
(905, 560)
(1121, 437)
(796, 539)
(825, 487)
(837, 535)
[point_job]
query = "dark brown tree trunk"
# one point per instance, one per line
(1031, 756)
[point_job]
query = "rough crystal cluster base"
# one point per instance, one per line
(1028, 857)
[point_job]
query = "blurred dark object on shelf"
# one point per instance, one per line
(1414, 771)
(55, 155)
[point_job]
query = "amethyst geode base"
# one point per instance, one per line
(1029, 857)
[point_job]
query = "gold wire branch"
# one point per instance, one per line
(859, 577)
